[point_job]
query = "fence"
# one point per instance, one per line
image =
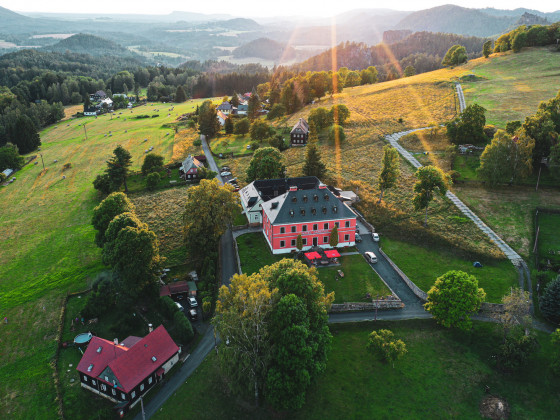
(415, 289)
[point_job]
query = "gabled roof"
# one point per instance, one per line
(189, 163)
(304, 206)
(301, 125)
(109, 352)
(221, 115)
(224, 106)
(174, 288)
(138, 362)
(127, 367)
(100, 93)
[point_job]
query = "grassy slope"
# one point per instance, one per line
(423, 266)
(513, 85)
(443, 375)
(47, 241)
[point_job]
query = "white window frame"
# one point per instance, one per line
(133, 394)
(346, 238)
(141, 387)
(150, 380)
(282, 244)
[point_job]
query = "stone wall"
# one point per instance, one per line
(367, 306)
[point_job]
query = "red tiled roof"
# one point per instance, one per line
(137, 363)
(130, 341)
(174, 288)
(109, 352)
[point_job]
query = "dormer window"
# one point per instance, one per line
(326, 197)
(334, 209)
(302, 212)
(315, 197)
(294, 199)
(291, 213)
(305, 199)
(313, 211)
(324, 210)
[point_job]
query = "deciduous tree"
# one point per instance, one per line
(456, 55)
(390, 170)
(115, 204)
(430, 180)
(469, 127)
(453, 297)
(118, 223)
(383, 344)
(24, 135)
(228, 125)
(266, 164)
(152, 163)
(10, 158)
(409, 71)
(117, 168)
(152, 180)
(336, 134)
(320, 118)
(241, 126)
(277, 111)
(207, 119)
(260, 130)
(550, 301)
(487, 48)
(339, 114)
(506, 158)
(209, 210)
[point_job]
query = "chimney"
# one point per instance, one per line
(150, 328)
(293, 188)
(116, 341)
(322, 186)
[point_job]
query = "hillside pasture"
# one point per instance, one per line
(47, 239)
(510, 86)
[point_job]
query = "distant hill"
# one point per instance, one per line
(265, 48)
(457, 20)
(240, 24)
(92, 45)
(551, 17)
(530, 19)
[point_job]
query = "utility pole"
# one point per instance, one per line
(42, 161)
(85, 131)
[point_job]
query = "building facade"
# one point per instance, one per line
(300, 133)
(311, 213)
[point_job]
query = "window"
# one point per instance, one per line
(315, 197)
(347, 224)
(133, 394)
(324, 210)
(305, 199)
(304, 241)
(142, 387)
(326, 197)
(85, 378)
(123, 396)
(313, 211)
(294, 199)
(315, 227)
(302, 212)
(293, 242)
(337, 224)
(294, 228)
(304, 228)
(325, 239)
(282, 230)
(103, 387)
(346, 238)
(113, 391)
(282, 244)
(106, 378)
(150, 380)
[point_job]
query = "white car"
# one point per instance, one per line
(225, 173)
(179, 306)
(192, 302)
(375, 236)
(370, 257)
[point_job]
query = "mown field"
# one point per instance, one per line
(47, 239)
(511, 86)
(443, 375)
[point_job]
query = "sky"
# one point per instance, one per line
(258, 8)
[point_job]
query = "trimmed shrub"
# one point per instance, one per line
(183, 328)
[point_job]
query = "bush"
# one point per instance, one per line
(516, 350)
(550, 301)
(139, 117)
(197, 143)
(183, 328)
(152, 180)
(336, 133)
(155, 115)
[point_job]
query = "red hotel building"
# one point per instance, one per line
(311, 213)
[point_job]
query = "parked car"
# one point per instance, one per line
(179, 306)
(357, 229)
(193, 314)
(375, 236)
(232, 180)
(225, 173)
(179, 297)
(236, 189)
(358, 238)
(225, 168)
(192, 302)
(370, 257)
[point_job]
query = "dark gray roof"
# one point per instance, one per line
(306, 206)
(272, 188)
(300, 127)
(224, 106)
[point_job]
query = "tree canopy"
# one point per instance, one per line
(456, 55)
(468, 128)
(260, 130)
(313, 165)
(115, 204)
(10, 158)
(550, 301)
(266, 163)
(207, 119)
(453, 297)
(390, 170)
(383, 344)
(152, 163)
(430, 179)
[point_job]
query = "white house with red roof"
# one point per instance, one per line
(124, 372)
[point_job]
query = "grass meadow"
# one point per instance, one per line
(47, 239)
(511, 86)
(443, 375)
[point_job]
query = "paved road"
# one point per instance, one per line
(210, 158)
(462, 103)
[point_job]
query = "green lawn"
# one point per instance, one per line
(254, 252)
(137, 182)
(240, 219)
(423, 266)
(511, 86)
(549, 239)
(231, 143)
(442, 376)
(358, 280)
(47, 239)
(466, 165)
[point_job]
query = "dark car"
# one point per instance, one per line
(358, 238)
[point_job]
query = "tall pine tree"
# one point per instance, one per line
(25, 135)
(313, 165)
